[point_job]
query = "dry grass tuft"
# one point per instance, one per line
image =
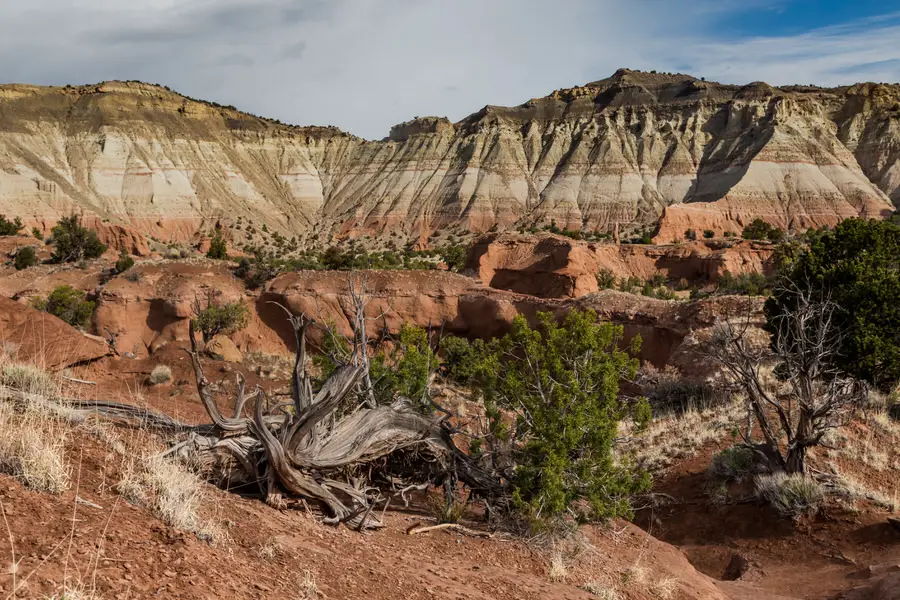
(74, 593)
(664, 589)
(32, 448)
(792, 495)
(307, 587)
(160, 374)
(269, 549)
(677, 436)
(557, 570)
(29, 379)
(172, 492)
(601, 590)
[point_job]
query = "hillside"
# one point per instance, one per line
(632, 151)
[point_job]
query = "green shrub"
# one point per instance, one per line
(36, 232)
(792, 495)
(8, 227)
(642, 414)
(124, 263)
(561, 383)
(453, 256)
(68, 304)
(25, 257)
(73, 242)
(220, 318)
(690, 234)
(856, 266)
(732, 464)
(748, 284)
(760, 230)
(218, 249)
(709, 234)
(605, 279)
(406, 369)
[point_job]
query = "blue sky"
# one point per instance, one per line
(364, 65)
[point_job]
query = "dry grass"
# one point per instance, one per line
(160, 374)
(664, 589)
(74, 593)
(678, 436)
(32, 448)
(791, 495)
(557, 570)
(857, 490)
(30, 380)
(269, 549)
(601, 590)
(172, 492)
(307, 589)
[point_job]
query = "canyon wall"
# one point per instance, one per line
(636, 150)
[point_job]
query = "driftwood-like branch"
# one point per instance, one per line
(311, 451)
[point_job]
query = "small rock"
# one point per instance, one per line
(222, 348)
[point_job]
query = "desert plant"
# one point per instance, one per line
(855, 267)
(561, 380)
(690, 234)
(68, 304)
(732, 464)
(792, 495)
(160, 374)
(73, 243)
(605, 279)
(29, 379)
(25, 257)
(218, 249)
(760, 230)
(32, 448)
(709, 234)
(37, 233)
(214, 318)
(802, 352)
(125, 262)
(8, 227)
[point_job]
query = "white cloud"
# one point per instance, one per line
(366, 64)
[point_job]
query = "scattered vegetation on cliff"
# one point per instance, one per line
(218, 249)
(25, 257)
(213, 317)
(760, 230)
(8, 227)
(73, 242)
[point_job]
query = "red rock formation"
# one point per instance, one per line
(552, 266)
(31, 336)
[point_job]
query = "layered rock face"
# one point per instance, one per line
(553, 266)
(629, 151)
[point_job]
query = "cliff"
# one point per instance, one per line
(636, 150)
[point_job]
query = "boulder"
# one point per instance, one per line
(222, 348)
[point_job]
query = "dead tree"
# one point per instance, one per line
(794, 392)
(317, 448)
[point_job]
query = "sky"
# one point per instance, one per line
(364, 65)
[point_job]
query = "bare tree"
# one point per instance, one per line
(812, 397)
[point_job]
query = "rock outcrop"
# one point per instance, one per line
(31, 336)
(634, 150)
(553, 266)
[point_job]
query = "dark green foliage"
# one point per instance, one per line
(68, 304)
(690, 234)
(561, 382)
(605, 279)
(73, 242)
(732, 464)
(125, 262)
(218, 249)
(729, 234)
(454, 257)
(856, 266)
(25, 257)
(405, 370)
(642, 414)
(760, 230)
(747, 284)
(8, 227)
(36, 232)
(220, 318)
(709, 234)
